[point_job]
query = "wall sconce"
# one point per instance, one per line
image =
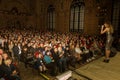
(102, 11)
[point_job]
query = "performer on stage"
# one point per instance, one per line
(108, 29)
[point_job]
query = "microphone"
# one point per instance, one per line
(102, 26)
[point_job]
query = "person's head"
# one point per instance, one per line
(42, 45)
(5, 56)
(108, 24)
(55, 50)
(67, 47)
(40, 55)
(60, 49)
(25, 49)
(8, 61)
(48, 53)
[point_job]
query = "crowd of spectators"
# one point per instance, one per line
(51, 51)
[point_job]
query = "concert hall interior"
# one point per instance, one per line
(59, 39)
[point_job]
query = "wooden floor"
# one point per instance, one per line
(95, 70)
(29, 73)
(98, 70)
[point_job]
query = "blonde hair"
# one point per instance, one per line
(111, 29)
(110, 26)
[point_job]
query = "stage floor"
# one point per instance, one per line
(98, 70)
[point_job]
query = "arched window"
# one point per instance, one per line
(51, 18)
(77, 16)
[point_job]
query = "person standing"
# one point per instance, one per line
(108, 29)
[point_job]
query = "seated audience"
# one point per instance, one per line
(10, 72)
(57, 50)
(50, 65)
(39, 63)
